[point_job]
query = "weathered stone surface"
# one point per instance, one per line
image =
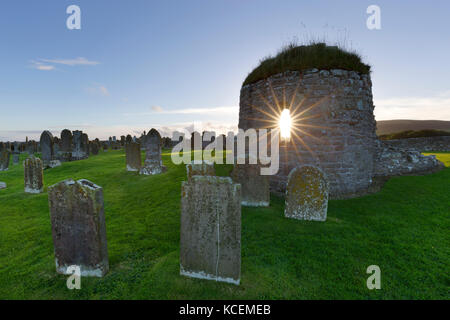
(255, 187)
(153, 161)
(307, 194)
(2, 185)
(133, 156)
(46, 143)
(423, 144)
(34, 175)
(78, 227)
(200, 169)
(66, 145)
(94, 147)
(16, 158)
(5, 156)
(79, 150)
(210, 236)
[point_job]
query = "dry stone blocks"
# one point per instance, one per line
(133, 156)
(210, 237)
(34, 176)
(255, 187)
(78, 227)
(306, 194)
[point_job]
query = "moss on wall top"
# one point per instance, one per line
(300, 58)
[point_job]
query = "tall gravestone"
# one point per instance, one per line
(210, 236)
(46, 143)
(94, 147)
(78, 227)
(85, 145)
(307, 194)
(34, 176)
(66, 145)
(200, 169)
(77, 151)
(5, 156)
(153, 160)
(255, 187)
(133, 156)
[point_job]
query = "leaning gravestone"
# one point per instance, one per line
(210, 235)
(34, 175)
(153, 161)
(78, 227)
(46, 148)
(200, 169)
(306, 194)
(133, 156)
(255, 187)
(5, 156)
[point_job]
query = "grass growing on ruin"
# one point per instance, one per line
(294, 57)
(403, 229)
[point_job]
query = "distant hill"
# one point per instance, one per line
(394, 126)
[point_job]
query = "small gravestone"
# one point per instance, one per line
(5, 156)
(255, 187)
(2, 185)
(16, 157)
(66, 145)
(34, 176)
(153, 161)
(133, 156)
(200, 169)
(210, 235)
(306, 194)
(78, 227)
(46, 142)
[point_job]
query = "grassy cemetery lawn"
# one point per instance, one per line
(404, 229)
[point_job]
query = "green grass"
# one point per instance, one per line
(299, 58)
(403, 229)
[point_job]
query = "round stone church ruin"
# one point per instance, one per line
(328, 93)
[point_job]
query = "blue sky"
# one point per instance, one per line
(140, 64)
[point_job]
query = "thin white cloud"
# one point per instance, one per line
(98, 89)
(416, 108)
(80, 61)
(197, 111)
(157, 109)
(41, 66)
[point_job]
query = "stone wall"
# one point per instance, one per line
(335, 128)
(421, 144)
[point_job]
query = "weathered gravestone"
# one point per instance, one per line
(94, 147)
(78, 227)
(133, 156)
(85, 145)
(46, 143)
(5, 156)
(66, 145)
(200, 169)
(153, 161)
(306, 194)
(16, 158)
(255, 187)
(78, 151)
(210, 236)
(34, 176)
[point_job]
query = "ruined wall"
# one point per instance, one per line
(335, 128)
(421, 144)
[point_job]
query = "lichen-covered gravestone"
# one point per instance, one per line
(200, 169)
(66, 145)
(133, 156)
(210, 236)
(34, 176)
(255, 187)
(306, 194)
(5, 156)
(46, 143)
(153, 161)
(78, 227)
